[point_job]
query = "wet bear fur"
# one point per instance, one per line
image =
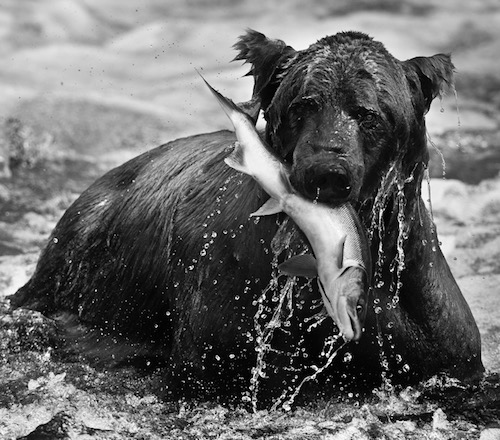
(159, 260)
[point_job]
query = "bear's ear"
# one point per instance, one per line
(435, 74)
(266, 56)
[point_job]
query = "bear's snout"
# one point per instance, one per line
(325, 182)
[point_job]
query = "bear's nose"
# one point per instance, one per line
(328, 185)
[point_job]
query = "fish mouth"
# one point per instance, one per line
(346, 301)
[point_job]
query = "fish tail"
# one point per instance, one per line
(229, 107)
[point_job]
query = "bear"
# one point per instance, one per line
(158, 261)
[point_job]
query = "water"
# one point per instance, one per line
(393, 186)
(330, 351)
(283, 309)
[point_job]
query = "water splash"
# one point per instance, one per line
(283, 310)
(393, 188)
(330, 351)
(278, 315)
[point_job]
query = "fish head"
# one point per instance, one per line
(346, 299)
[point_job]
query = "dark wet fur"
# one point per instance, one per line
(341, 111)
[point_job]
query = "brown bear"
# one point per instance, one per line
(159, 260)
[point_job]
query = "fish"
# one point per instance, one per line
(341, 261)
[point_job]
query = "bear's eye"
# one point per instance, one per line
(367, 119)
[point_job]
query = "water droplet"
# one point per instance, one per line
(379, 284)
(167, 313)
(214, 234)
(237, 297)
(203, 252)
(347, 357)
(217, 357)
(55, 240)
(286, 407)
(205, 235)
(378, 310)
(399, 358)
(390, 325)
(214, 282)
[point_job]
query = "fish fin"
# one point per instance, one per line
(339, 251)
(236, 159)
(272, 206)
(300, 265)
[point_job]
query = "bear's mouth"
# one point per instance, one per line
(324, 179)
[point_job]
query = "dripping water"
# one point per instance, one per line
(459, 123)
(392, 186)
(330, 352)
(440, 154)
(283, 299)
(265, 324)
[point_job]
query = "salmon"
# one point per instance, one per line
(341, 260)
